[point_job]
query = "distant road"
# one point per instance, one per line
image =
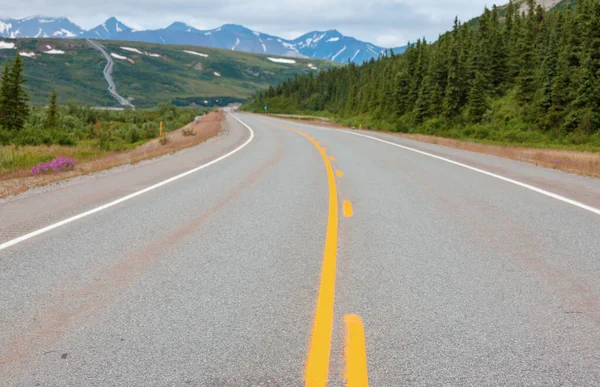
(112, 88)
(279, 251)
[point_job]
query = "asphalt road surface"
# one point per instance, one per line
(281, 253)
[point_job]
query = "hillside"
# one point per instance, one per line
(528, 78)
(147, 73)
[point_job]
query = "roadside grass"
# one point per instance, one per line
(92, 158)
(580, 162)
(15, 158)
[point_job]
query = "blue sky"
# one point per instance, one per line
(387, 23)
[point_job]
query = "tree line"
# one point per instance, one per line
(510, 75)
(14, 110)
(21, 124)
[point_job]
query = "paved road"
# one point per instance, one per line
(257, 268)
(107, 72)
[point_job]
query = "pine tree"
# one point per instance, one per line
(548, 71)
(477, 99)
(525, 79)
(497, 52)
(453, 98)
(5, 95)
(20, 110)
(587, 96)
(51, 120)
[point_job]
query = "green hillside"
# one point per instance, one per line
(530, 78)
(170, 75)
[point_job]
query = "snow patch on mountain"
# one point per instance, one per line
(5, 27)
(263, 45)
(54, 52)
(27, 54)
(332, 39)
(237, 43)
(282, 60)
(132, 50)
(196, 53)
(217, 74)
(63, 33)
(117, 56)
(338, 53)
(6, 45)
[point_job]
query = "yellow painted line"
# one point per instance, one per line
(331, 158)
(339, 173)
(317, 364)
(355, 352)
(348, 209)
(324, 149)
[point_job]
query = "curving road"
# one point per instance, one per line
(112, 88)
(281, 253)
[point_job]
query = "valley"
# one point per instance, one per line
(147, 74)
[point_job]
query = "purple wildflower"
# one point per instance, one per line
(57, 165)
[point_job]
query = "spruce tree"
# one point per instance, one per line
(51, 120)
(19, 111)
(5, 100)
(548, 72)
(477, 99)
(453, 97)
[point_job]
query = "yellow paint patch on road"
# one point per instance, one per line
(317, 364)
(355, 352)
(339, 173)
(348, 209)
(332, 158)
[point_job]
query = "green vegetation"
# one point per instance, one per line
(84, 133)
(13, 98)
(528, 78)
(171, 75)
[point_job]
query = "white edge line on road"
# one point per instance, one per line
(128, 197)
(506, 179)
(524, 185)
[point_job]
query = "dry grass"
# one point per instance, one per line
(188, 132)
(20, 181)
(163, 140)
(581, 163)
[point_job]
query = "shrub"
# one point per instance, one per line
(188, 132)
(164, 140)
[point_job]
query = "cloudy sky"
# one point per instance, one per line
(388, 23)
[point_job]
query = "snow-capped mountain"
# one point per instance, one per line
(331, 45)
(110, 29)
(334, 46)
(39, 27)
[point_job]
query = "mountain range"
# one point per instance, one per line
(329, 45)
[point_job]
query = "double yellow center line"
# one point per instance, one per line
(317, 365)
